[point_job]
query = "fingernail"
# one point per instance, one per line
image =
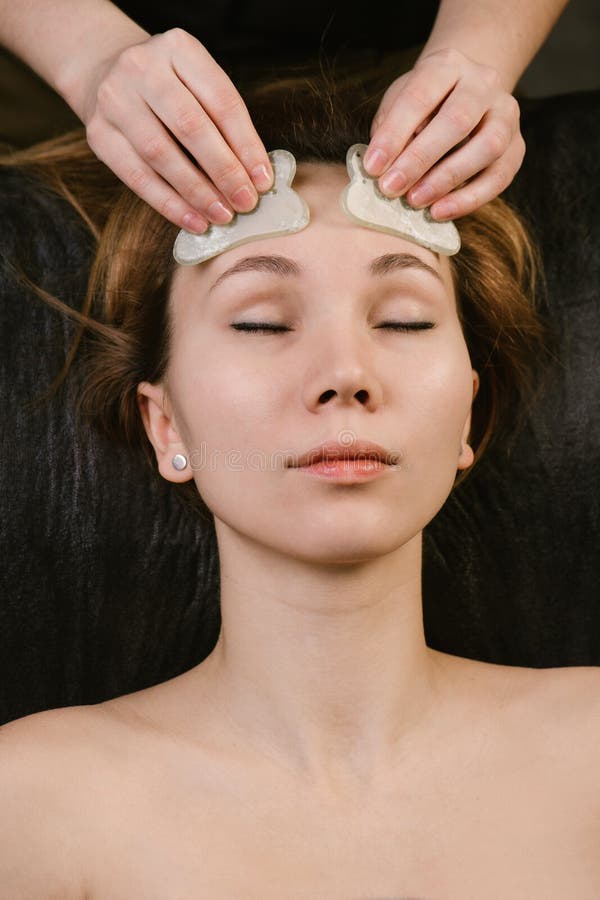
(261, 178)
(244, 199)
(393, 181)
(444, 210)
(192, 222)
(375, 161)
(421, 195)
(219, 213)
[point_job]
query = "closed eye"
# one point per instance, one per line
(259, 326)
(407, 326)
(271, 328)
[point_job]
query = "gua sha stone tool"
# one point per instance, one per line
(279, 211)
(363, 202)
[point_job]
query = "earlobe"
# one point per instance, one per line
(466, 457)
(162, 431)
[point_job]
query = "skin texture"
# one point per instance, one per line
(321, 749)
(322, 641)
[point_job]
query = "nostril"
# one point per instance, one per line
(326, 396)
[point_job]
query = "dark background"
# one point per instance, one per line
(570, 59)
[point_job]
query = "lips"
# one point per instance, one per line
(357, 450)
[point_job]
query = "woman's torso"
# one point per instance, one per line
(506, 804)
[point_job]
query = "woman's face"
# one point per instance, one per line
(243, 405)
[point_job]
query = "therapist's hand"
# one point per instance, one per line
(134, 105)
(449, 132)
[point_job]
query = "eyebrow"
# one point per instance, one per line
(278, 265)
(390, 262)
(286, 267)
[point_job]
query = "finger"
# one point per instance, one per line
(484, 187)
(489, 142)
(424, 123)
(213, 89)
(113, 149)
(457, 118)
(126, 112)
(387, 101)
(156, 148)
(172, 104)
(378, 120)
(418, 97)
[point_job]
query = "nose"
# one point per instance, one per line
(343, 372)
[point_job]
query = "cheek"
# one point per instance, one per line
(443, 402)
(230, 414)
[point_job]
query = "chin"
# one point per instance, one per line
(340, 545)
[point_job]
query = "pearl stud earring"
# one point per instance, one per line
(179, 461)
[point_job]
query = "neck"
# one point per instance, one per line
(325, 666)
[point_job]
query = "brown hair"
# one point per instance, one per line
(124, 317)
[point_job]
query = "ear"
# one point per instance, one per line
(466, 455)
(161, 428)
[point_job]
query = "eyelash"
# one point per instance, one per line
(269, 328)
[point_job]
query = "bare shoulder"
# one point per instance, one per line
(568, 691)
(560, 707)
(567, 694)
(45, 794)
(53, 740)
(572, 694)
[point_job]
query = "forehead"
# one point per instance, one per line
(329, 239)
